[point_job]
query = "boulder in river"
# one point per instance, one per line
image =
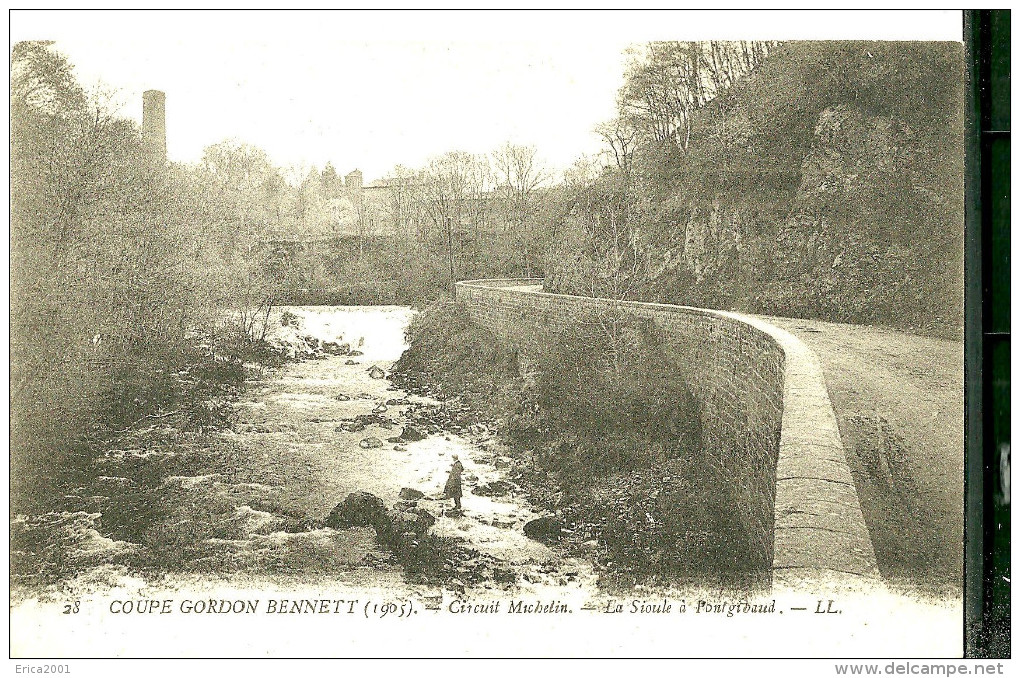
(351, 362)
(399, 527)
(496, 488)
(545, 529)
(411, 435)
(411, 493)
(335, 348)
(379, 409)
(342, 397)
(370, 443)
(352, 426)
(362, 421)
(359, 509)
(416, 520)
(355, 353)
(376, 372)
(424, 517)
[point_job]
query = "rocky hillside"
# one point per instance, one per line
(827, 183)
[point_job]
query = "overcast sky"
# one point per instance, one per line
(371, 90)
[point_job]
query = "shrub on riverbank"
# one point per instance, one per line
(111, 498)
(604, 432)
(603, 386)
(447, 353)
(117, 260)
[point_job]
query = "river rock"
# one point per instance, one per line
(402, 527)
(342, 397)
(370, 443)
(411, 435)
(351, 426)
(362, 421)
(408, 541)
(351, 362)
(376, 372)
(545, 529)
(359, 509)
(400, 448)
(411, 493)
(335, 348)
(496, 488)
(416, 520)
(379, 409)
(355, 353)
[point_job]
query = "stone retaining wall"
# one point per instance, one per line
(765, 416)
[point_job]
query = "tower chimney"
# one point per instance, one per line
(353, 182)
(154, 124)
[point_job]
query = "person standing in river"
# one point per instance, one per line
(453, 488)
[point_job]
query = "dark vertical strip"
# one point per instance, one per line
(997, 508)
(987, 562)
(995, 221)
(973, 588)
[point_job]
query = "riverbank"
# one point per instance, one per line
(249, 501)
(597, 429)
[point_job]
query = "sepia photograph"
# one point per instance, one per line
(493, 334)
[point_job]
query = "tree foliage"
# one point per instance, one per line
(116, 260)
(418, 230)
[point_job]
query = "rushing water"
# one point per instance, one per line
(302, 397)
(304, 464)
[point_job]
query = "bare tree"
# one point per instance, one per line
(448, 186)
(620, 136)
(666, 82)
(520, 175)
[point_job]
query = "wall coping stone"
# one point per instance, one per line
(821, 538)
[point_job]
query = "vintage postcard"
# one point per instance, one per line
(490, 334)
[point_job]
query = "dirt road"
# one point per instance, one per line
(899, 402)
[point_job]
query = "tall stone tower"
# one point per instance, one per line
(154, 124)
(354, 180)
(353, 183)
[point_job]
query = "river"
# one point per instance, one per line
(295, 416)
(305, 464)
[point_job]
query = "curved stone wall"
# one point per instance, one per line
(765, 416)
